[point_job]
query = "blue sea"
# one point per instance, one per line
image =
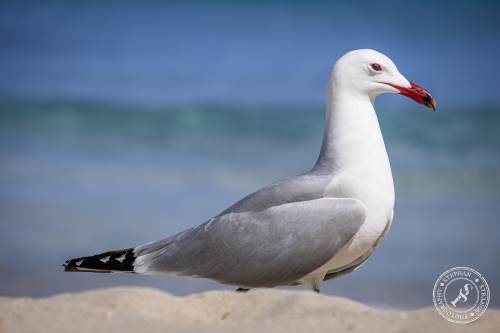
(122, 123)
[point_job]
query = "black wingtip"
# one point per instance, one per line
(70, 266)
(107, 262)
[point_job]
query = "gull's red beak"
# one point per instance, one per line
(418, 94)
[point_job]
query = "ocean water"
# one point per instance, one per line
(78, 178)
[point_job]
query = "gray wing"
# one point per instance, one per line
(300, 188)
(275, 246)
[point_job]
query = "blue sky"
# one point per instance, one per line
(158, 53)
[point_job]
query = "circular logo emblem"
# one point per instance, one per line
(461, 295)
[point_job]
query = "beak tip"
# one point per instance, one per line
(430, 102)
(433, 105)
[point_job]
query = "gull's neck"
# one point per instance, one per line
(352, 137)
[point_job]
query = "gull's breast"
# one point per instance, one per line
(376, 191)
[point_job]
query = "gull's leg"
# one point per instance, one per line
(314, 280)
(242, 290)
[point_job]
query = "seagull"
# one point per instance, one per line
(305, 229)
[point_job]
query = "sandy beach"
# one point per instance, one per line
(130, 309)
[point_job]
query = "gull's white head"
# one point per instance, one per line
(371, 73)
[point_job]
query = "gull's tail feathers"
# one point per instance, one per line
(107, 262)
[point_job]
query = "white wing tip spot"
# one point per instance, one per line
(105, 259)
(120, 259)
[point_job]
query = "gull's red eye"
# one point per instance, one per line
(376, 67)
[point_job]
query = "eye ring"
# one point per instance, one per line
(376, 67)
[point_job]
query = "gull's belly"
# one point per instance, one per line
(361, 245)
(362, 242)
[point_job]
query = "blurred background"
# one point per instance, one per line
(124, 122)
